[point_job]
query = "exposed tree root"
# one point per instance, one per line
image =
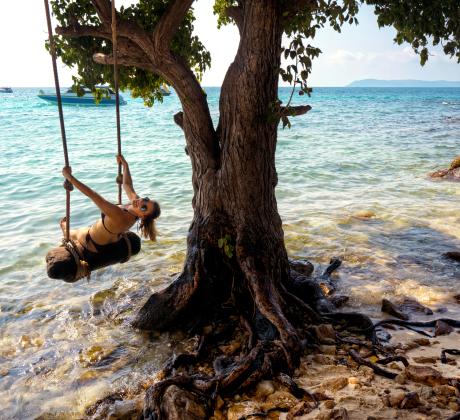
(250, 332)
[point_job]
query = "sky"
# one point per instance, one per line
(359, 52)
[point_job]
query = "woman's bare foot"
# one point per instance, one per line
(63, 224)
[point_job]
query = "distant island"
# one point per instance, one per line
(403, 83)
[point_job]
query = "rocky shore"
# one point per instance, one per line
(452, 173)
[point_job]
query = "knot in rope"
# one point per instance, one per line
(83, 269)
(119, 179)
(67, 185)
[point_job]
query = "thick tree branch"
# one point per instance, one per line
(179, 119)
(169, 23)
(103, 9)
(236, 13)
(294, 111)
(127, 60)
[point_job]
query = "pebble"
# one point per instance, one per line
(327, 349)
(445, 390)
(411, 400)
(442, 328)
(425, 360)
(335, 384)
(401, 378)
(264, 389)
(425, 374)
(396, 397)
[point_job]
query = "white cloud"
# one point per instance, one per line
(342, 56)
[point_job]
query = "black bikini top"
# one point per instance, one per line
(103, 219)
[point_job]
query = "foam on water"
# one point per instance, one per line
(358, 151)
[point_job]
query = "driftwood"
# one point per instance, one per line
(61, 265)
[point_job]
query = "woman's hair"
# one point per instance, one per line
(147, 223)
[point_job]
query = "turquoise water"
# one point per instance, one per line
(359, 150)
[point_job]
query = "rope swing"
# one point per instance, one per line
(119, 179)
(58, 264)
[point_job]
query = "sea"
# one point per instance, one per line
(353, 184)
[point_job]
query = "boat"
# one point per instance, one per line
(6, 90)
(164, 90)
(87, 99)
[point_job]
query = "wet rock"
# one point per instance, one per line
(353, 380)
(303, 267)
(279, 399)
(338, 414)
(321, 359)
(451, 173)
(442, 328)
(445, 390)
(264, 389)
(327, 349)
(425, 360)
(401, 378)
(334, 384)
(325, 333)
(391, 309)
(425, 375)
(364, 214)
(453, 255)
(326, 288)
(125, 409)
(396, 397)
(182, 405)
(404, 308)
(339, 300)
(411, 400)
(298, 410)
(457, 298)
(329, 404)
(422, 341)
(455, 163)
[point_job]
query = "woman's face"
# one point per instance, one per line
(142, 206)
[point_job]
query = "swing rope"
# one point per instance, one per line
(117, 94)
(67, 185)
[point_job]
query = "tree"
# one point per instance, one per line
(237, 278)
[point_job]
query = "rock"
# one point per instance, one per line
(391, 309)
(329, 404)
(425, 360)
(445, 390)
(422, 342)
(364, 214)
(425, 375)
(396, 397)
(353, 380)
(334, 384)
(442, 328)
(339, 300)
(303, 267)
(454, 406)
(404, 308)
(264, 389)
(125, 409)
(321, 359)
(426, 392)
(410, 305)
(455, 163)
(298, 410)
(327, 288)
(453, 255)
(401, 378)
(182, 405)
(240, 410)
(411, 400)
(325, 333)
(457, 298)
(338, 414)
(327, 349)
(279, 399)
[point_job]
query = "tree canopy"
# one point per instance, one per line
(419, 23)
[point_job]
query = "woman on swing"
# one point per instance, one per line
(115, 220)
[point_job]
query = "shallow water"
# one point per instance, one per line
(63, 346)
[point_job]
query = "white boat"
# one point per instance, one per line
(164, 90)
(71, 98)
(6, 90)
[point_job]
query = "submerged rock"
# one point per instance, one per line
(339, 300)
(303, 267)
(452, 173)
(453, 255)
(442, 328)
(404, 308)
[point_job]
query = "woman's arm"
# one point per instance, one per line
(127, 180)
(109, 209)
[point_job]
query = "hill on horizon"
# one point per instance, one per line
(403, 83)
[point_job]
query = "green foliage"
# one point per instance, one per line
(78, 52)
(226, 245)
(421, 22)
(220, 6)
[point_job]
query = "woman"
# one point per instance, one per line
(114, 220)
